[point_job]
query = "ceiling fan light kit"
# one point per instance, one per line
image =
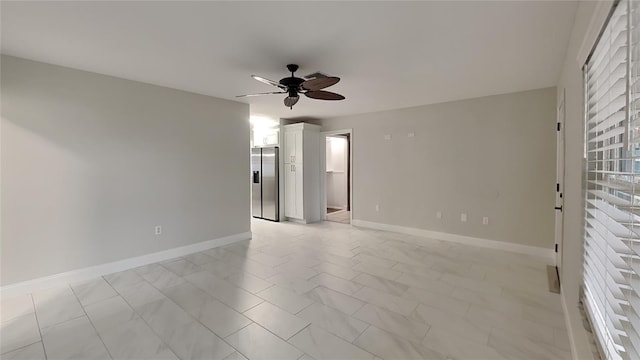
(293, 86)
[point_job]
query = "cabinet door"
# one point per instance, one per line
(293, 147)
(298, 150)
(290, 146)
(290, 194)
(299, 190)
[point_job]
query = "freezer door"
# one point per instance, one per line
(270, 205)
(256, 182)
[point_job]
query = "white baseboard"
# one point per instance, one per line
(298, 221)
(91, 272)
(547, 254)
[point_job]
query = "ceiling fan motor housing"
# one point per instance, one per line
(291, 81)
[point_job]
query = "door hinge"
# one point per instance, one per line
(556, 247)
(558, 126)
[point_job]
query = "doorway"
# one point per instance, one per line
(337, 198)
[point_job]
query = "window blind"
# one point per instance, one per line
(612, 196)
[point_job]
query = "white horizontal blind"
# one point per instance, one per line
(612, 216)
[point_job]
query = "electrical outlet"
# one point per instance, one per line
(377, 207)
(463, 217)
(387, 137)
(485, 220)
(438, 214)
(411, 135)
(158, 230)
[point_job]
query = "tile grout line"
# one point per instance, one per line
(35, 314)
(235, 332)
(143, 319)
(297, 332)
(23, 347)
(89, 319)
(188, 314)
(359, 335)
(326, 243)
(241, 313)
(306, 306)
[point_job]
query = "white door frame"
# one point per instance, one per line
(559, 190)
(323, 170)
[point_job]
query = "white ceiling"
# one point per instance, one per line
(388, 54)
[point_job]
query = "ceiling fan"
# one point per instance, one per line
(294, 86)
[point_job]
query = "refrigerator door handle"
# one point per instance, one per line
(256, 177)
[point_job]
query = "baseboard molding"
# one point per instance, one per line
(547, 254)
(88, 273)
(298, 221)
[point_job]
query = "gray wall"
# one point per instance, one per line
(492, 156)
(91, 163)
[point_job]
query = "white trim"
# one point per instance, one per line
(567, 321)
(579, 337)
(297, 221)
(91, 272)
(560, 179)
(599, 16)
(548, 254)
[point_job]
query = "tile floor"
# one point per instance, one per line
(341, 216)
(323, 291)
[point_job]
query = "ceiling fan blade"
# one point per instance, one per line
(320, 83)
(323, 95)
(267, 81)
(260, 94)
(289, 101)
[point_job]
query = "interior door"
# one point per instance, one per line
(559, 207)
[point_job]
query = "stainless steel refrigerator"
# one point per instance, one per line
(264, 183)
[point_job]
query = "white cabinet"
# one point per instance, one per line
(265, 136)
(294, 191)
(302, 172)
(293, 145)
